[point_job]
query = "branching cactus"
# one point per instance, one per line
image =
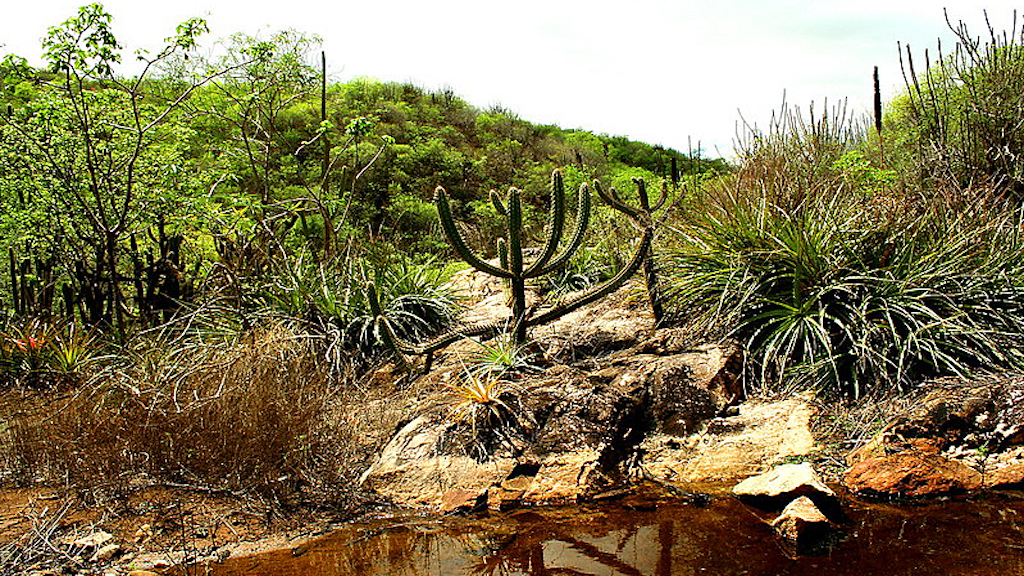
(642, 217)
(514, 270)
(512, 267)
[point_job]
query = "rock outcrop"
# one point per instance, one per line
(567, 431)
(963, 435)
(730, 448)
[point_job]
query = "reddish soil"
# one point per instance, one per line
(150, 523)
(153, 527)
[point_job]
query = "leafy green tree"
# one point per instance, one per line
(97, 136)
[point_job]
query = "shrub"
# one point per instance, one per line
(958, 123)
(331, 298)
(831, 295)
(248, 415)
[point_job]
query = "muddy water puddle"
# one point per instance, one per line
(980, 537)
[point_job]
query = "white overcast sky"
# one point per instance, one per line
(660, 71)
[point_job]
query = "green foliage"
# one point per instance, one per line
(499, 357)
(846, 298)
(72, 350)
(588, 267)
(478, 400)
(38, 353)
(332, 297)
(233, 178)
(412, 297)
(859, 173)
(83, 44)
(958, 122)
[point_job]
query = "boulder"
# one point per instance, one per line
(782, 485)
(803, 525)
(961, 435)
(731, 448)
(911, 474)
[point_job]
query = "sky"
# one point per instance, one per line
(668, 72)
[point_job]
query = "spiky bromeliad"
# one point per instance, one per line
(515, 271)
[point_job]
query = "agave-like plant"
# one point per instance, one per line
(826, 297)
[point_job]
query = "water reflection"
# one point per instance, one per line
(981, 537)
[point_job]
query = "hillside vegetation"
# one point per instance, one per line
(190, 247)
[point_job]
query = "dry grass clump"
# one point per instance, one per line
(254, 415)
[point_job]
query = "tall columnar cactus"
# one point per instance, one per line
(511, 263)
(642, 217)
(515, 271)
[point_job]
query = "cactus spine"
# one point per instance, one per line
(642, 217)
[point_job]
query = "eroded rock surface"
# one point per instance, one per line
(963, 435)
(731, 448)
(565, 432)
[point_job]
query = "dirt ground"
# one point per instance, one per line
(153, 524)
(42, 530)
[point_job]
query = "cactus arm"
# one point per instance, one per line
(582, 219)
(654, 297)
(614, 192)
(602, 290)
(382, 328)
(515, 264)
(661, 199)
(488, 330)
(612, 200)
(386, 333)
(444, 213)
(503, 253)
(496, 201)
(515, 233)
(641, 192)
(503, 260)
(645, 202)
(553, 230)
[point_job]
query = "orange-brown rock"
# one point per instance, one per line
(802, 523)
(459, 500)
(911, 474)
(1011, 476)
